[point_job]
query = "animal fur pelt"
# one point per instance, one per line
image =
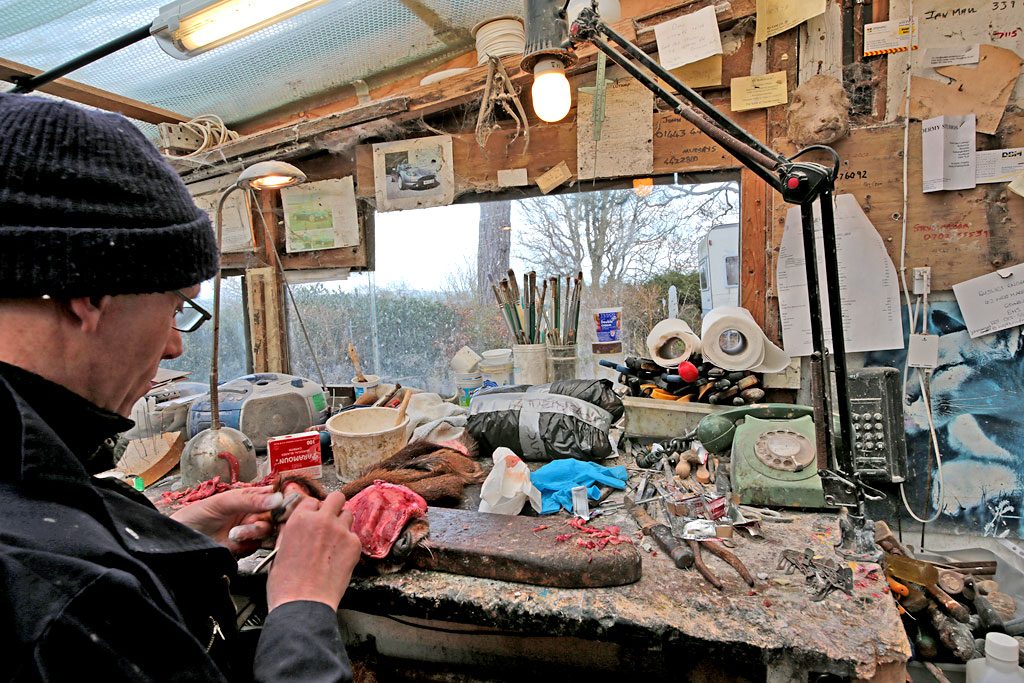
(438, 474)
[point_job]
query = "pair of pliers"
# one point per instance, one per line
(715, 548)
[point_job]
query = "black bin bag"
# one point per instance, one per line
(563, 419)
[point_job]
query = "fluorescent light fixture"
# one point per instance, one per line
(187, 28)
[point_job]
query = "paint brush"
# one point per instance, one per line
(360, 377)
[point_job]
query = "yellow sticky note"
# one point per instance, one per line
(758, 92)
(703, 73)
(777, 16)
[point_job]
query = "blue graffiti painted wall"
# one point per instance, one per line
(977, 399)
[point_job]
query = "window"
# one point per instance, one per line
(431, 295)
(732, 271)
(198, 345)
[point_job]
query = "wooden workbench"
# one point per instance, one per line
(671, 625)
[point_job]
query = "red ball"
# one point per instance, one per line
(688, 371)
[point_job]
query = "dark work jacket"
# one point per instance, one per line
(96, 583)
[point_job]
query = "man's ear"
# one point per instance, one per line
(87, 311)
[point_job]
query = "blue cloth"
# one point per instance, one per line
(558, 478)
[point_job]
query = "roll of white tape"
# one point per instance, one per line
(733, 341)
(671, 342)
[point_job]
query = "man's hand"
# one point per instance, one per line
(316, 553)
(237, 519)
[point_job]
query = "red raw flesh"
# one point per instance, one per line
(380, 512)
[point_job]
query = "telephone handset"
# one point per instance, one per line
(715, 431)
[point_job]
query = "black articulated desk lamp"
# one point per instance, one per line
(549, 43)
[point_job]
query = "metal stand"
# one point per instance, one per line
(801, 183)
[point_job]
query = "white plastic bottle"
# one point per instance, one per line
(999, 664)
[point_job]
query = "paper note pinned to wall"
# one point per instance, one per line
(947, 153)
(555, 177)
(776, 16)
(1017, 185)
(701, 74)
(688, 38)
(998, 165)
(869, 288)
(887, 37)
(626, 146)
(948, 56)
(512, 177)
(992, 302)
(758, 92)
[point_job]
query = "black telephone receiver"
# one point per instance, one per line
(716, 430)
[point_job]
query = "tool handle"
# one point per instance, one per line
(681, 555)
(954, 608)
(990, 619)
(403, 407)
(731, 560)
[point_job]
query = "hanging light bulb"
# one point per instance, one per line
(551, 93)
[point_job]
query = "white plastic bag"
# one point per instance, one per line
(508, 485)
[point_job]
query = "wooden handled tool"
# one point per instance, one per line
(680, 554)
(885, 538)
(360, 377)
(990, 619)
(927, 576)
(402, 408)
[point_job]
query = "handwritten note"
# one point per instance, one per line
(555, 177)
(701, 74)
(626, 146)
(992, 302)
(776, 16)
(758, 92)
(947, 153)
(948, 56)
(688, 38)
(998, 165)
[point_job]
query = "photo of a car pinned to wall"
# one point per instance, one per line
(413, 173)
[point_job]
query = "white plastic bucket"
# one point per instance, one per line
(465, 384)
(531, 363)
(608, 323)
(498, 374)
(363, 437)
(371, 384)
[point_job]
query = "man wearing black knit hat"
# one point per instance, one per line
(101, 251)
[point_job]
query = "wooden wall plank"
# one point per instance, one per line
(753, 245)
(960, 234)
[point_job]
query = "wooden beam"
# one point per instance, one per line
(94, 97)
(266, 326)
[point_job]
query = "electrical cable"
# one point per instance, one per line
(912, 313)
(288, 288)
(210, 129)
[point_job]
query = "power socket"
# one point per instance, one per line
(922, 280)
(176, 137)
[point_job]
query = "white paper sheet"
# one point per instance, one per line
(869, 289)
(320, 215)
(947, 153)
(998, 165)
(688, 38)
(886, 37)
(992, 302)
(949, 56)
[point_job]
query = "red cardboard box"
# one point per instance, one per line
(296, 454)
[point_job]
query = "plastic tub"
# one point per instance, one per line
(362, 438)
(497, 374)
(371, 384)
(497, 356)
(530, 363)
(608, 322)
(465, 384)
(561, 362)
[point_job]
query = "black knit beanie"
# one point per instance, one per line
(88, 207)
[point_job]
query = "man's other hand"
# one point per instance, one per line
(237, 519)
(316, 553)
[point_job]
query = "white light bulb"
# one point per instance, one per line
(551, 94)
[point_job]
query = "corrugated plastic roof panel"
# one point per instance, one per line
(319, 50)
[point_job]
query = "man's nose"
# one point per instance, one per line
(174, 347)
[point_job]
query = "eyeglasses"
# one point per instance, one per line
(191, 315)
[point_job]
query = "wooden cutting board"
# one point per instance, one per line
(512, 548)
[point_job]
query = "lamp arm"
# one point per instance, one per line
(214, 398)
(26, 85)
